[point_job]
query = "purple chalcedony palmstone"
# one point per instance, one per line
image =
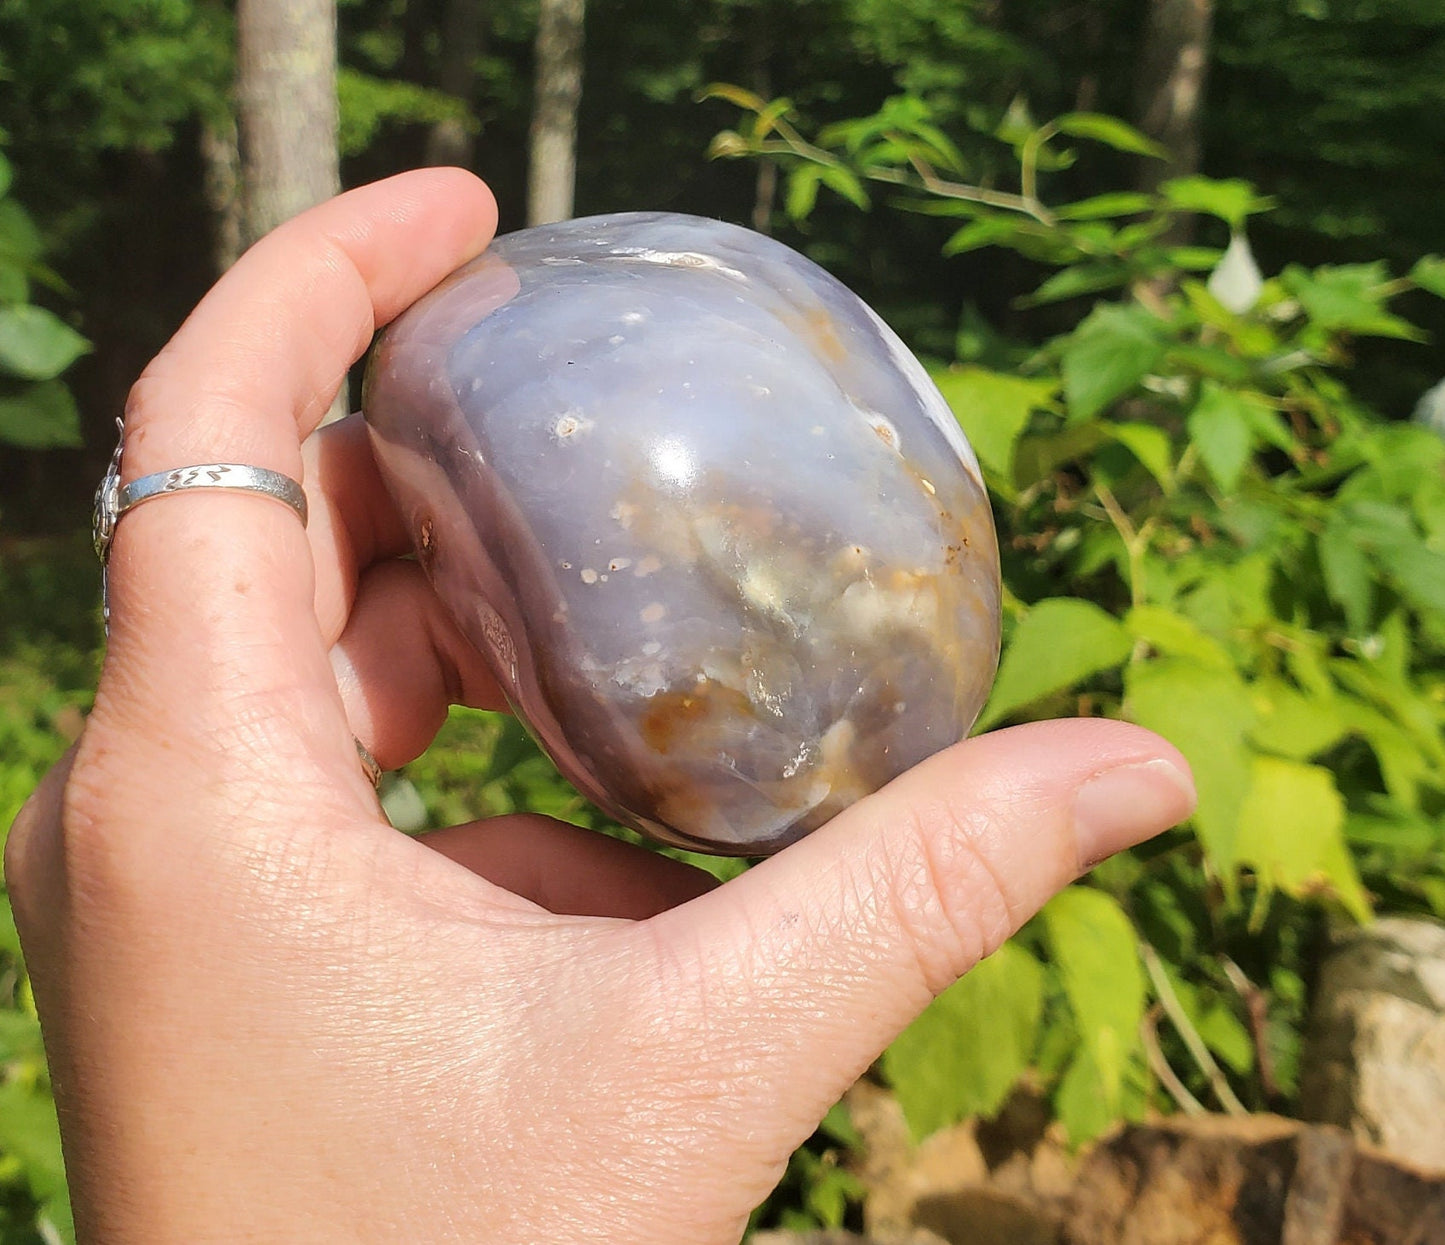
(717, 533)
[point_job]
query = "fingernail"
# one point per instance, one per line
(1127, 805)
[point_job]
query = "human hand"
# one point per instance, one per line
(271, 1017)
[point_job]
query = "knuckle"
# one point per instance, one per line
(952, 900)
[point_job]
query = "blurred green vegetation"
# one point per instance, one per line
(1213, 517)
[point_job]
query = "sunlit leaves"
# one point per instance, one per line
(994, 408)
(1220, 428)
(1094, 946)
(1206, 712)
(1107, 355)
(1291, 833)
(35, 344)
(40, 417)
(1231, 200)
(969, 1048)
(1058, 643)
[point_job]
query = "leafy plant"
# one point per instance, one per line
(1203, 530)
(48, 666)
(37, 411)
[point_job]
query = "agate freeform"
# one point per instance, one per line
(718, 535)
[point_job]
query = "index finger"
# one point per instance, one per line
(213, 630)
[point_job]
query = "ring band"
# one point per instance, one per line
(113, 499)
(229, 477)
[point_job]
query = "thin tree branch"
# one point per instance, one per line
(1218, 1082)
(1256, 1007)
(1159, 1065)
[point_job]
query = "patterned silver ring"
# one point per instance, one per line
(230, 477)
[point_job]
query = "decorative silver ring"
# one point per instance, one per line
(113, 499)
(230, 477)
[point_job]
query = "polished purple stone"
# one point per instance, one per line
(718, 535)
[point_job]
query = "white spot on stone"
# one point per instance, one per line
(818, 430)
(589, 576)
(885, 431)
(651, 648)
(570, 425)
(649, 565)
(619, 564)
(653, 613)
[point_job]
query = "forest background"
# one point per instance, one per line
(1216, 516)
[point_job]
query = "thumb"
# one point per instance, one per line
(812, 962)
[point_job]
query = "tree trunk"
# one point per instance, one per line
(286, 115)
(451, 141)
(765, 189)
(286, 108)
(552, 178)
(1173, 64)
(221, 160)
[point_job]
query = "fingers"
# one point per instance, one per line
(353, 522)
(845, 936)
(401, 661)
(214, 647)
(569, 870)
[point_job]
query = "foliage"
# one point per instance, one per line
(1204, 531)
(48, 638)
(36, 346)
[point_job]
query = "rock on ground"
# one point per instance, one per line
(1375, 1060)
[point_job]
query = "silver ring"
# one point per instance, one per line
(230, 477)
(113, 499)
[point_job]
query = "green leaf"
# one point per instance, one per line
(1075, 281)
(1429, 274)
(1152, 447)
(1111, 132)
(803, 190)
(1106, 206)
(1292, 832)
(29, 1132)
(1038, 457)
(1079, 1101)
(747, 100)
(7, 175)
(993, 410)
(1058, 643)
(1205, 712)
(41, 417)
(985, 231)
(1110, 353)
(1291, 724)
(1194, 258)
(1096, 951)
(19, 238)
(967, 1051)
(1220, 428)
(845, 183)
(1348, 298)
(1233, 201)
(36, 344)
(367, 103)
(1173, 635)
(1348, 573)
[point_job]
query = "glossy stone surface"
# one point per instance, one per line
(719, 536)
